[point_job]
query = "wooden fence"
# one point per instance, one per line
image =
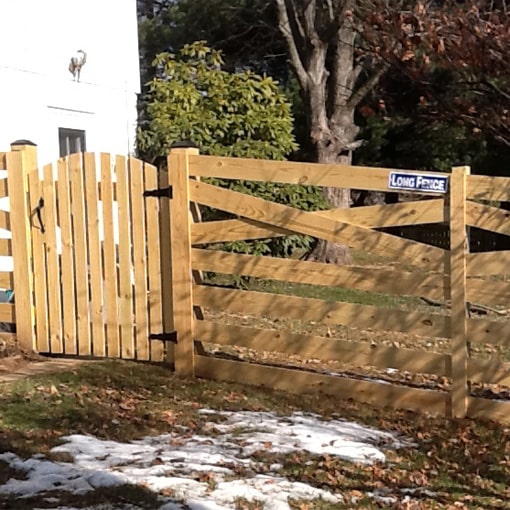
(88, 278)
(454, 276)
(115, 272)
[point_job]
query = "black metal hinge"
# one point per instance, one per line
(159, 192)
(164, 337)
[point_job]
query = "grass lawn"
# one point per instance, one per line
(455, 464)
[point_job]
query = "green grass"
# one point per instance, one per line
(319, 292)
(461, 462)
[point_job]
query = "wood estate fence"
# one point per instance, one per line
(112, 270)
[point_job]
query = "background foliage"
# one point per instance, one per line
(225, 114)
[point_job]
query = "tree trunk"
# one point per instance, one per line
(329, 151)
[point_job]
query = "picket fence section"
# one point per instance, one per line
(107, 266)
(88, 276)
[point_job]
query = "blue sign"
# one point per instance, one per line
(426, 183)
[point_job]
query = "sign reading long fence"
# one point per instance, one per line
(111, 260)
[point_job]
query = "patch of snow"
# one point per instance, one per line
(177, 461)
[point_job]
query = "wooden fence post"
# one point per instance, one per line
(20, 162)
(458, 296)
(182, 279)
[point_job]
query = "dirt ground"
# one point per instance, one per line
(12, 357)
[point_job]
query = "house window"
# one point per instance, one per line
(71, 141)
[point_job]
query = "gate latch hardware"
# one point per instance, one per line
(159, 192)
(164, 337)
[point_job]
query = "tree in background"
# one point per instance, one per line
(339, 53)
(470, 43)
(225, 114)
(341, 50)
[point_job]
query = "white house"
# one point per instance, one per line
(42, 101)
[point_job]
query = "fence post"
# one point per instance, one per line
(20, 162)
(458, 296)
(182, 279)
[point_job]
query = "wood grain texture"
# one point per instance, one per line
(458, 293)
(20, 162)
(125, 262)
(377, 216)
(359, 354)
(81, 269)
(488, 188)
(295, 381)
(308, 309)
(95, 256)
(52, 262)
(383, 281)
(316, 174)
(110, 276)
(154, 274)
(39, 266)
(139, 260)
(307, 223)
(182, 281)
(489, 409)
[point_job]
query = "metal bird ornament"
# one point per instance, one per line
(76, 63)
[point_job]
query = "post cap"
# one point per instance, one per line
(184, 144)
(23, 142)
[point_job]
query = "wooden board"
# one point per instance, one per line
(182, 281)
(308, 309)
(391, 215)
(69, 332)
(490, 371)
(5, 247)
(139, 259)
(165, 244)
(4, 191)
(485, 331)
(95, 256)
(410, 213)
(488, 292)
(488, 188)
(459, 247)
(81, 271)
(19, 165)
(296, 381)
(7, 313)
(125, 264)
(52, 262)
(110, 290)
(359, 354)
(39, 265)
(316, 174)
(3, 160)
(233, 230)
(489, 409)
(154, 274)
(488, 263)
(383, 281)
(5, 220)
(6, 280)
(427, 257)
(488, 218)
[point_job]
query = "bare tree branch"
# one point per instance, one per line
(289, 37)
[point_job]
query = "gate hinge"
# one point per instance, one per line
(164, 337)
(159, 192)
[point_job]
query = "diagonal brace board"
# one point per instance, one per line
(374, 216)
(307, 223)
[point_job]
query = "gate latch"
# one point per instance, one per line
(159, 192)
(164, 337)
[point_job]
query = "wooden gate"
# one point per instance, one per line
(94, 241)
